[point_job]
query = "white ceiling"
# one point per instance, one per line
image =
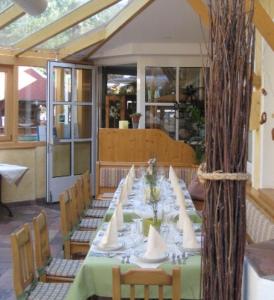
(164, 21)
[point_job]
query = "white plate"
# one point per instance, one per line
(111, 248)
(152, 260)
(124, 228)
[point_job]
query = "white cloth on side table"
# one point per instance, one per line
(12, 173)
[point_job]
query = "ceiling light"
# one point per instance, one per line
(32, 7)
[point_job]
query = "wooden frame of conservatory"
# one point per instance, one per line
(76, 16)
(10, 14)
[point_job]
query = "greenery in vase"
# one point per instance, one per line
(154, 191)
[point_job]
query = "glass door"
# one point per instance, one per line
(71, 132)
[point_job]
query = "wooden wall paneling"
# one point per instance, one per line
(138, 145)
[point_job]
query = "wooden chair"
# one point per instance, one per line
(77, 212)
(146, 277)
(81, 198)
(24, 278)
(76, 242)
(51, 269)
(93, 203)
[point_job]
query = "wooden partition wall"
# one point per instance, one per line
(139, 145)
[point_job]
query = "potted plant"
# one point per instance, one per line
(135, 117)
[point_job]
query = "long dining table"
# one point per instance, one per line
(95, 276)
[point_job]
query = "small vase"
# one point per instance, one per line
(135, 125)
(150, 221)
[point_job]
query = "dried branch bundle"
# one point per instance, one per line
(229, 90)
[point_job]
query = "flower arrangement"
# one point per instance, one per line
(153, 192)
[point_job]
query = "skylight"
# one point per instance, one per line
(27, 24)
(83, 27)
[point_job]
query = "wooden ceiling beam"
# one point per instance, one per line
(123, 18)
(260, 16)
(82, 43)
(10, 14)
(201, 10)
(76, 16)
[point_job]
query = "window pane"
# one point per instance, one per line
(4, 4)
(3, 94)
(161, 117)
(84, 27)
(62, 121)
(160, 84)
(62, 84)
(191, 84)
(28, 24)
(82, 125)
(84, 85)
(82, 157)
(61, 160)
(32, 84)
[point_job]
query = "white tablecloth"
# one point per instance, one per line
(12, 173)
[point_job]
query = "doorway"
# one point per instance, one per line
(72, 125)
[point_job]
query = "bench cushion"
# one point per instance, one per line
(258, 226)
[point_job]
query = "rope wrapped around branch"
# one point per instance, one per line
(219, 175)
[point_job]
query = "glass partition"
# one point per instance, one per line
(160, 84)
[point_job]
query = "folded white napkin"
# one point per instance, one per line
(123, 197)
(170, 173)
(179, 194)
(119, 216)
(110, 238)
(189, 238)
(156, 246)
(182, 216)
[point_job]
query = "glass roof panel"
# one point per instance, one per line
(85, 26)
(4, 4)
(27, 24)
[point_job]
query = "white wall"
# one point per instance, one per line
(267, 144)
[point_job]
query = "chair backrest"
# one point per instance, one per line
(86, 187)
(76, 208)
(146, 277)
(80, 195)
(65, 213)
(41, 236)
(23, 260)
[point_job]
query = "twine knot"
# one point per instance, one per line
(219, 175)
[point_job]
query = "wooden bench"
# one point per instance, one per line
(109, 174)
(259, 216)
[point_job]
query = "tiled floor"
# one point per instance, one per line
(23, 214)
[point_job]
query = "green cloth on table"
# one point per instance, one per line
(95, 278)
(129, 216)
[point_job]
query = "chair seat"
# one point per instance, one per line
(95, 213)
(90, 223)
(100, 203)
(82, 236)
(63, 267)
(47, 291)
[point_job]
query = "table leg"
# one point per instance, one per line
(2, 204)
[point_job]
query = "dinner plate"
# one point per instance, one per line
(152, 260)
(118, 246)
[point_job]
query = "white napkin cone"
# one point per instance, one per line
(182, 216)
(156, 246)
(189, 238)
(110, 238)
(170, 173)
(119, 216)
(179, 194)
(124, 193)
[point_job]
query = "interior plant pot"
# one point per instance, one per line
(149, 221)
(135, 124)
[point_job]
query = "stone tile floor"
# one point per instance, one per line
(24, 214)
